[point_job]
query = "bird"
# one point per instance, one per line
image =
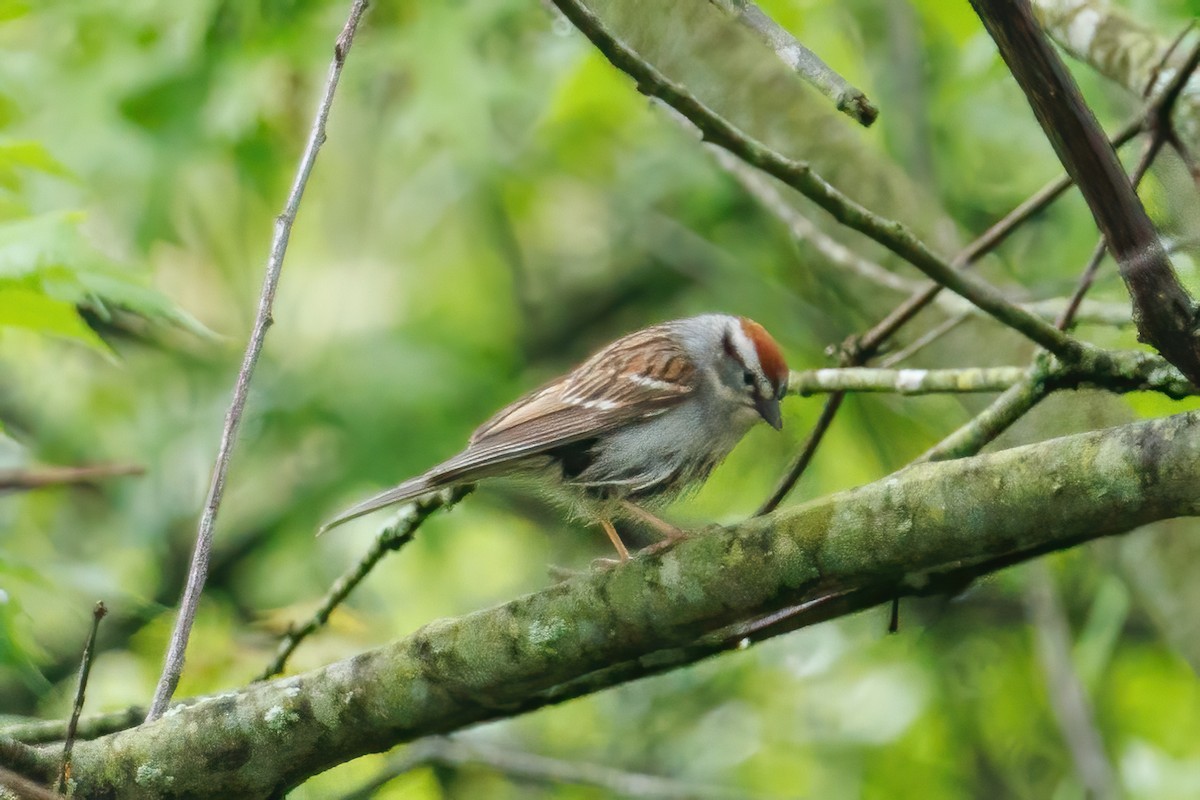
(636, 424)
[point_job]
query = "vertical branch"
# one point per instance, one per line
(1068, 700)
(1166, 315)
(198, 572)
(85, 670)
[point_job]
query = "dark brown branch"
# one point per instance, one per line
(1166, 315)
(85, 670)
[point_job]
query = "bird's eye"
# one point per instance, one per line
(748, 378)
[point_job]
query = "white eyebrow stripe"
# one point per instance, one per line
(650, 383)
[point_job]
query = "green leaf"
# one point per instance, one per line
(25, 308)
(12, 9)
(48, 254)
(19, 156)
(32, 245)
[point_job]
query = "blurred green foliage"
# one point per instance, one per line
(494, 201)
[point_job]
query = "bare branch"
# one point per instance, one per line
(924, 340)
(1121, 48)
(804, 62)
(993, 420)
(198, 572)
(1166, 315)
(800, 176)
(447, 752)
(904, 381)
(85, 669)
(760, 187)
(40, 478)
(1070, 704)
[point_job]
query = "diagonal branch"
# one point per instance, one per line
(398, 533)
(1166, 315)
(800, 176)
(915, 532)
(198, 571)
(804, 62)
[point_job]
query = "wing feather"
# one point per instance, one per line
(636, 377)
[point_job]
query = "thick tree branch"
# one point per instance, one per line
(1166, 315)
(917, 531)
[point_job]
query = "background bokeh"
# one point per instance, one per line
(494, 201)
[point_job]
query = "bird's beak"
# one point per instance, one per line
(768, 408)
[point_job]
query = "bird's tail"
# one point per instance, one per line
(413, 487)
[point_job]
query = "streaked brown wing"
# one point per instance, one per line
(636, 377)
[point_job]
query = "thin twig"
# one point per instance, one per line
(446, 752)
(924, 340)
(804, 62)
(1086, 279)
(803, 230)
(993, 420)
(399, 532)
(760, 187)
(800, 176)
(85, 669)
(39, 478)
(1068, 700)
(801, 462)
(197, 573)
(904, 381)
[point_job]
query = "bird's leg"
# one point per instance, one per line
(668, 530)
(616, 540)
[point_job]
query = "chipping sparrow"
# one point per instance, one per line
(643, 419)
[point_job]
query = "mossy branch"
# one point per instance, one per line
(923, 529)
